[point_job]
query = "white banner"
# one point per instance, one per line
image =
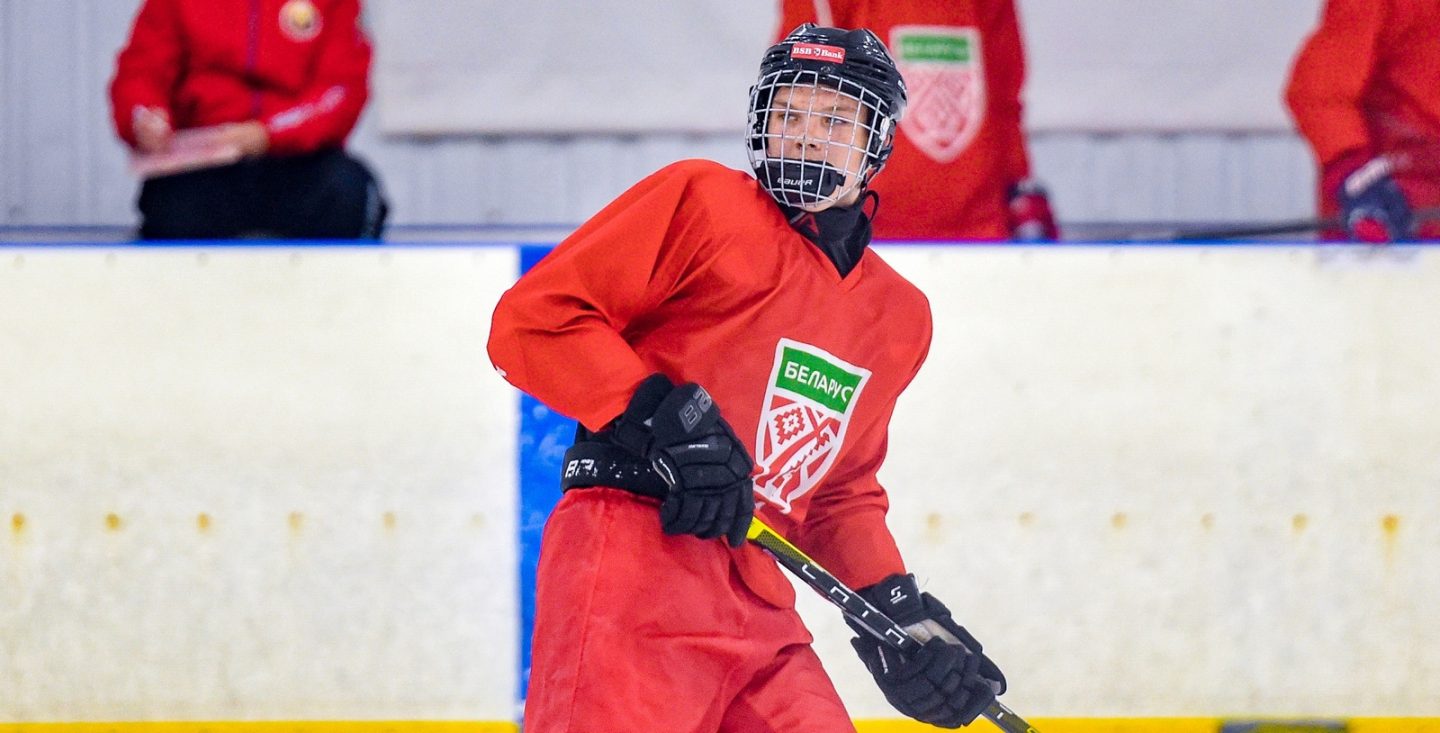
(549, 67)
(1139, 65)
(552, 67)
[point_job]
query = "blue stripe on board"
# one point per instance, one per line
(544, 436)
(22, 245)
(228, 244)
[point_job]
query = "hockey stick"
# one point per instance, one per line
(1248, 231)
(860, 611)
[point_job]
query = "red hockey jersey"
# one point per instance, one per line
(960, 145)
(1368, 81)
(695, 272)
(299, 66)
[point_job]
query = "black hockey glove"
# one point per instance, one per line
(948, 682)
(680, 431)
(1372, 206)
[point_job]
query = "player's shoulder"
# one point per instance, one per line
(880, 270)
(721, 197)
(708, 177)
(906, 294)
(903, 307)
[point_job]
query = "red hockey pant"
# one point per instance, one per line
(638, 631)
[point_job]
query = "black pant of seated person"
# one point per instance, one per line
(321, 195)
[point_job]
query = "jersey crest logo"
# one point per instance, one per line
(808, 403)
(946, 82)
(300, 20)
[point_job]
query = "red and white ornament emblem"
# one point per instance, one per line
(945, 77)
(809, 400)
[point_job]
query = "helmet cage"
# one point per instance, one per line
(849, 149)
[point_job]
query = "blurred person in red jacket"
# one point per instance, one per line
(238, 111)
(960, 169)
(1365, 92)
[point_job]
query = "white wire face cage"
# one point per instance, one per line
(812, 143)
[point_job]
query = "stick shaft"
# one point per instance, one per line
(1244, 231)
(859, 610)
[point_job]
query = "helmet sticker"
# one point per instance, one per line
(817, 52)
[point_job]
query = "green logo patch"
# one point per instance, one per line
(920, 48)
(813, 377)
(809, 400)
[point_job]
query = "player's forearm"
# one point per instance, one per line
(1332, 129)
(322, 120)
(146, 68)
(854, 544)
(325, 112)
(134, 89)
(584, 371)
(1331, 73)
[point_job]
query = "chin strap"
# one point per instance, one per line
(841, 232)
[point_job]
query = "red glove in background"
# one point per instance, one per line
(1373, 209)
(1030, 216)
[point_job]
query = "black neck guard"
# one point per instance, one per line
(842, 233)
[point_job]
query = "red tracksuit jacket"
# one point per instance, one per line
(299, 66)
(960, 145)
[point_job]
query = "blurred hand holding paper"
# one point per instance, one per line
(189, 150)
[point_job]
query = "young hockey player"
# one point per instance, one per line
(653, 614)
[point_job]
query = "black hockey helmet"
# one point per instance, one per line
(852, 62)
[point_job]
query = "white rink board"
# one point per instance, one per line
(1154, 481)
(333, 413)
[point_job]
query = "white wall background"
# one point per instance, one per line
(1105, 160)
(1155, 482)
